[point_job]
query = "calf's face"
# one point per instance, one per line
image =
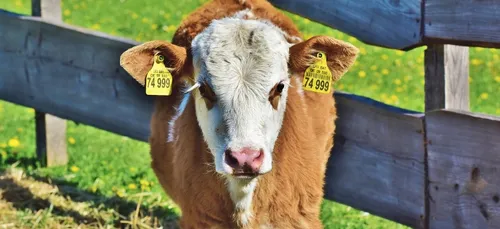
(242, 69)
(242, 74)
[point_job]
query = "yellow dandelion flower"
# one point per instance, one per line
(14, 142)
(67, 12)
(479, 49)
(373, 67)
(31, 110)
(144, 182)
(74, 169)
(145, 20)
(71, 140)
(383, 96)
(496, 57)
(362, 74)
(422, 73)
(470, 79)
(397, 81)
(400, 53)
(120, 193)
(397, 62)
(96, 26)
(19, 129)
(497, 78)
(476, 62)
(394, 98)
(498, 110)
(352, 39)
(362, 50)
(145, 188)
(154, 26)
(385, 57)
(399, 89)
(19, 3)
(132, 186)
(133, 169)
(420, 60)
(484, 96)
(93, 188)
(407, 78)
(171, 28)
(422, 82)
(306, 21)
(385, 71)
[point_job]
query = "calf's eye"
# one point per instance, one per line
(279, 87)
(275, 94)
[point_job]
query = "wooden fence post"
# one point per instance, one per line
(446, 77)
(51, 147)
(446, 87)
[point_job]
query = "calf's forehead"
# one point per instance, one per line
(233, 51)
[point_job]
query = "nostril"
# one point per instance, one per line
(230, 159)
(260, 156)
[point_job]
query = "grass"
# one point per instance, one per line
(106, 171)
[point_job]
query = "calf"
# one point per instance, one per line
(240, 142)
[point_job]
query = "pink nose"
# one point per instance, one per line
(246, 161)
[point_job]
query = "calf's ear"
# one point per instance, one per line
(138, 60)
(340, 55)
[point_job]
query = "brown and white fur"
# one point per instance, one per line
(238, 67)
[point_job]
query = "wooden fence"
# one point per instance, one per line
(437, 169)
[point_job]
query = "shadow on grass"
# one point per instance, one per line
(122, 206)
(22, 198)
(115, 211)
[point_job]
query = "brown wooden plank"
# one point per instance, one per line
(463, 22)
(386, 23)
(446, 77)
(377, 164)
(464, 158)
(51, 137)
(84, 82)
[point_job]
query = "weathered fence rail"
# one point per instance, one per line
(437, 169)
(406, 24)
(72, 73)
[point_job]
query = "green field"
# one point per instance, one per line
(106, 170)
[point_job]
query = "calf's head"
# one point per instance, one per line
(242, 75)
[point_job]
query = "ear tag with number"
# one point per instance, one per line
(317, 77)
(159, 79)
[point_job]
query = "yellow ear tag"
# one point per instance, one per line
(318, 77)
(159, 79)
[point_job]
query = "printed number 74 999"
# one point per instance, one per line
(316, 84)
